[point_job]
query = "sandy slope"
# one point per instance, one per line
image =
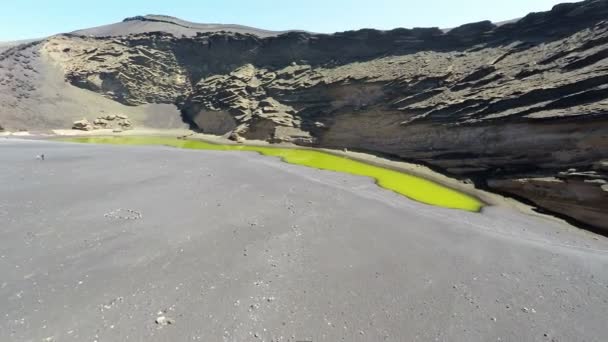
(33, 94)
(238, 247)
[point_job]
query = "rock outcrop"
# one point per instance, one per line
(513, 107)
(116, 122)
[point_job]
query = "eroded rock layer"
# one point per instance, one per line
(521, 108)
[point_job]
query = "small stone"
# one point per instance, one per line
(493, 319)
(162, 320)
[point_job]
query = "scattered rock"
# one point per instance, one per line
(124, 214)
(113, 121)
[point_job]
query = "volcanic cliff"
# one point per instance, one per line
(520, 108)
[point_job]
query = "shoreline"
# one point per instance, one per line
(489, 199)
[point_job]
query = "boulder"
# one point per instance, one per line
(82, 125)
(125, 123)
(601, 165)
(234, 136)
(100, 122)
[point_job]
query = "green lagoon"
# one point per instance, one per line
(416, 188)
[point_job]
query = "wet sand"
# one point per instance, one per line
(99, 242)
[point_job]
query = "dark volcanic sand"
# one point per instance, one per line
(240, 247)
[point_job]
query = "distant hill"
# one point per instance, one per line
(174, 26)
(7, 45)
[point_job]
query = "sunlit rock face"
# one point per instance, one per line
(508, 106)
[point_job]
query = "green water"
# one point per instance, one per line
(416, 188)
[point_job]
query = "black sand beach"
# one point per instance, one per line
(117, 243)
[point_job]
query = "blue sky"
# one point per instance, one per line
(22, 19)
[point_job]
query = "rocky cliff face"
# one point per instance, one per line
(520, 108)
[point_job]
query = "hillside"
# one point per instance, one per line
(520, 108)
